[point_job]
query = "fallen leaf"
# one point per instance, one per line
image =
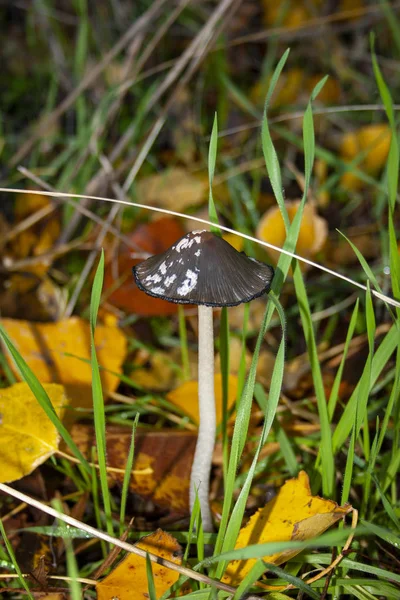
(27, 436)
(168, 455)
(40, 237)
(175, 189)
(128, 581)
(312, 235)
(186, 396)
(46, 346)
(54, 596)
(234, 240)
(151, 238)
(32, 297)
(154, 370)
(292, 14)
(294, 514)
(27, 204)
(373, 142)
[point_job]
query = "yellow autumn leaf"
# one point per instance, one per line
(293, 14)
(373, 142)
(234, 240)
(46, 348)
(186, 396)
(312, 235)
(128, 580)
(27, 204)
(174, 188)
(39, 238)
(294, 514)
(27, 436)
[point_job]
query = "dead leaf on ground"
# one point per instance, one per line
(169, 455)
(175, 189)
(128, 581)
(292, 15)
(38, 238)
(26, 295)
(45, 346)
(27, 436)
(373, 142)
(312, 235)
(294, 514)
(155, 371)
(186, 396)
(151, 238)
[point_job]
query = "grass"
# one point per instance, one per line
(355, 455)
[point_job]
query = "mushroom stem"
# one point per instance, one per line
(200, 477)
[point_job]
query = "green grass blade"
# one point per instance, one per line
(270, 155)
(14, 561)
(72, 567)
(212, 158)
(183, 343)
(379, 362)
(150, 579)
(97, 393)
(127, 477)
(334, 395)
(327, 459)
(384, 534)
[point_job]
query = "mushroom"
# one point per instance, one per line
(201, 268)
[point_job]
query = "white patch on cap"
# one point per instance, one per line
(189, 283)
(157, 290)
(198, 252)
(153, 278)
(169, 280)
(185, 243)
(163, 268)
(199, 231)
(197, 239)
(180, 261)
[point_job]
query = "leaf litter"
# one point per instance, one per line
(145, 348)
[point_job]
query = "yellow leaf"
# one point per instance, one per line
(186, 396)
(294, 514)
(45, 346)
(27, 436)
(28, 204)
(174, 188)
(154, 371)
(312, 235)
(234, 240)
(128, 581)
(373, 142)
(295, 13)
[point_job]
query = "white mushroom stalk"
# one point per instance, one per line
(200, 476)
(201, 268)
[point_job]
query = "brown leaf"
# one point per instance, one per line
(169, 454)
(152, 238)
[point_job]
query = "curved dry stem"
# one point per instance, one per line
(173, 213)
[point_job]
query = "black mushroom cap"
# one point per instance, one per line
(201, 268)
